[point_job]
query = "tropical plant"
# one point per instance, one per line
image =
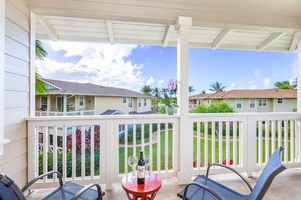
(167, 101)
(146, 89)
(191, 89)
(40, 53)
(221, 107)
(285, 85)
(217, 87)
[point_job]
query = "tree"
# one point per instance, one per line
(285, 85)
(203, 92)
(146, 89)
(40, 86)
(191, 89)
(217, 87)
(156, 92)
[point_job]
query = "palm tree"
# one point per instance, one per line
(217, 87)
(285, 85)
(146, 89)
(191, 89)
(40, 86)
(156, 92)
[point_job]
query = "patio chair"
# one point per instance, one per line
(9, 190)
(203, 187)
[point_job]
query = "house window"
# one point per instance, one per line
(81, 101)
(280, 101)
(144, 102)
(262, 102)
(130, 102)
(44, 103)
(139, 102)
(123, 99)
(252, 103)
(238, 103)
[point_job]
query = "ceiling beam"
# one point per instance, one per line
(222, 36)
(48, 28)
(110, 32)
(270, 40)
(167, 35)
(294, 41)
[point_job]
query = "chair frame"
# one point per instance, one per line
(19, 192)
(262, 190)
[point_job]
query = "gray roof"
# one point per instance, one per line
(73, 88)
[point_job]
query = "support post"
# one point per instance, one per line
(182, 26)
(299, 75)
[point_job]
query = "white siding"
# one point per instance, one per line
(16, 89)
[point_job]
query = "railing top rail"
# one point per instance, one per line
(101, 117)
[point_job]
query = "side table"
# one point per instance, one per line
(146, 191)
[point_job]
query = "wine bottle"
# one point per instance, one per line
(141, 167)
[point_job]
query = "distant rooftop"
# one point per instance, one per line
(74, 88)
(264, 93)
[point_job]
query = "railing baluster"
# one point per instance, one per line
(159, 148)
(267, 154)
(83, 151)
(292, 140)
(166, 146)
(212, 143)
(198, 140)
(92, 150)
(220, 141)
(45, 151)
(151, 146)
(126, 155)
(206, 145)
(73, 152)
(55, 157)
(64, 156)
(285, 141)
(227, 143)
(260, 142)
(234, 150)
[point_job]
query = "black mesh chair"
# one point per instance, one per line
(202, 187)
(9, 190)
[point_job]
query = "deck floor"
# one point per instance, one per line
(286, 185)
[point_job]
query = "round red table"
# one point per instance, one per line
(146, 191)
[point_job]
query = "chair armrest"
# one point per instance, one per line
(203, 187)
(86, 188)
(233, 170)
(40, 177)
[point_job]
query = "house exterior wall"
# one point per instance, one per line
(113, 103)
(16, 89)
(289, 105)
(272, 106)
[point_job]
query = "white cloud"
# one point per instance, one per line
(231, 87)
(253, 87)
(160, 82)
(150, 81)
(100, 64)
(266, 82)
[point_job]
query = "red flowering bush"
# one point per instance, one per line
(225, 162)
(87, 141)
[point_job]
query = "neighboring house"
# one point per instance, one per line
(73, 98)
(265, 100)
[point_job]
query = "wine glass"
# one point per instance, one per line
(132, 161)
(147, 164)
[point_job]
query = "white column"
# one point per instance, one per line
(65, 105)
(185, 168)
(32, 71)
(299, 75)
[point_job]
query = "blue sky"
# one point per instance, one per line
(132, 67)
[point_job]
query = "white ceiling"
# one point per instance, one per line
(261, 25)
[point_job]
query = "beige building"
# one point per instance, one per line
(265, 100)
(71, 98)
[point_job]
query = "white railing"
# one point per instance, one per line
(70, 113)
(240, 140)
